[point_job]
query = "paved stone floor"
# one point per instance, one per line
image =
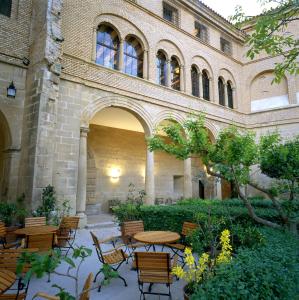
(116, 290)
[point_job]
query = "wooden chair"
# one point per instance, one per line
(114, 257)
(4, 241)
(154, 267)
(43, 242)
(129, 229)
(35, 221)
(178, 248)
(85, 295)
(66, 233)
(8, 261)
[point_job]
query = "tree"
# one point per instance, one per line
(280, 161)
(232, 157)
(270, 34)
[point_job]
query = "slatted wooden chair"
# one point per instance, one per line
(4, 239)
(178, 248)
(35, 221)
(66, 234)
(129, 229)
(154, 268)
(114, 257)
(85, 294)
(43, 242)
(8, 261)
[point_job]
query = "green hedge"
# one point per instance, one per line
(267, 272)
(171, 217)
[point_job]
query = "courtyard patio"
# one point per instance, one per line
(116, 289)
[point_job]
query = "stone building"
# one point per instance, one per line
(94, 78)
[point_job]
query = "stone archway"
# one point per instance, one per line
(95, 107)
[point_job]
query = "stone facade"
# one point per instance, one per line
(48, 134)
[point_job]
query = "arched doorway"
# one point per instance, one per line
(117, 155)
(5, 141)
(201, 190)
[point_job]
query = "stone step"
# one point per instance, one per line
(101, 225)
(93, 209)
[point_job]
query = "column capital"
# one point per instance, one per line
(84, 131)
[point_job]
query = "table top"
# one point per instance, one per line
(7, 279)
(34, 230)
(157, 237)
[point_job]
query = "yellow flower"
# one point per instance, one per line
(188, 251)
(225, 254)
(178, 271)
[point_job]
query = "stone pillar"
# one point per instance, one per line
(235, 102)
(182, 77)
(121, 56)
(200, 85)
(145, 64)
(187, 178)
(82, 177)
(168, 74)
(225, 95)
(149, 178)
(94, 48)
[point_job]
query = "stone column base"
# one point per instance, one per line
(83, 219)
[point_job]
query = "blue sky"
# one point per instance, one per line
(227, 7)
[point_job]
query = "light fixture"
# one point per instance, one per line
(115, 173)
(11, 91)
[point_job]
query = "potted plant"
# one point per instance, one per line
(198, 271)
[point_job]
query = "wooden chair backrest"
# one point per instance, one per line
(2, 230)
(69, 223)
(188, 227)
(35, 221)
(132, 227)
(9, 259)
(86, 289)
(44, 242)
(95, 240)
(153, 261)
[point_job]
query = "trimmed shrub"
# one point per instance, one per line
(266, 272)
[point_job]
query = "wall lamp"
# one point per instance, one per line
(115, 173)
(11, 91)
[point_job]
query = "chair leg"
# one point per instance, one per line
(95, 279)
(150, 287)
(120, 277)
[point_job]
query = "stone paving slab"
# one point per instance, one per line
(116, 290)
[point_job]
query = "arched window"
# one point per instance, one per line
(133, 57)
(221, 92)
(205, 85)
(230, 95)
(195, 81)
(107, 47)
(175, 74)
(161, 68)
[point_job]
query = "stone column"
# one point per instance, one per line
(145, 64)
(121, 56)
(187, 178)
(225, 95)
(235, 102)
(200, 85)
(168, 74)
(82, 177)
(218, 184)
(94, 48)
(149, 178)
(182, 77)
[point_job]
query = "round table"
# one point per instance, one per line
(34, 230)
(7, 279)
(157, 237)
